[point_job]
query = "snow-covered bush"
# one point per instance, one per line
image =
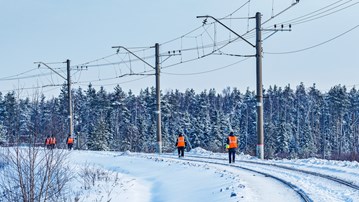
(97, 184)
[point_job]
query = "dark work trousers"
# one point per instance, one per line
(69, 146)
(180, 151)
(232, 155)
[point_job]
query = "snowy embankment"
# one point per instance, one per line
(150, 177)
(145, 177)
(139, 177)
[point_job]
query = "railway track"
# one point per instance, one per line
(304, 196)
(328, 177)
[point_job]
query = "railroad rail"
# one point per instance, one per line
(328, 177)
(304, 196)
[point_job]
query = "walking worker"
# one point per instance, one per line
(52, 142)
(180, 144)
(69, 142)
(47, 142)
(232, 142)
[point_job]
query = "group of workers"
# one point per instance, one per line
(181, 143)
(50, 142)
(231, 146)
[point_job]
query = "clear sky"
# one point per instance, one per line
(85, 30)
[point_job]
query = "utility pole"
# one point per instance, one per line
(260, 134)
(258, 46)
(158, 98)
(68, 80)
(158, 93)
(71, 127)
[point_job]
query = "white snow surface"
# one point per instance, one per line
(162, 178)
(140, 177)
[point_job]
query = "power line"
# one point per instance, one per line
(24, 77)
(204, 72)
(314, 13)
(16, 75)
(314, 46)
(117, 77)
(88, 64)
(319, 15)
(190, 32)
(117, 82)
(236, 10)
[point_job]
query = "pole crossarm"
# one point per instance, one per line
(118, 47)
(275, 30)
(42, 63)
(208, 16)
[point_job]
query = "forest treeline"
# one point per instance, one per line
(298, 123)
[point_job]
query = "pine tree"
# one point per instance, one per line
(99, 138)
(353, 142)
(338, 103)
(3, 138)
(11, 123)
(315, 104)
(79, 111)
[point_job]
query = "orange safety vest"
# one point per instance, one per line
(47, 141)
(232, 142)
(53, 140)
(70, 140)
(180, 142)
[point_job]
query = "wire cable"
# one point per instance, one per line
(314, 46)
(313, 13)
(117, 82)
(16, 75)
(25, 77)
(205, 72)
(312, 19)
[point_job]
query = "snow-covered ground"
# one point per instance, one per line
(152, 177)
(139, 177)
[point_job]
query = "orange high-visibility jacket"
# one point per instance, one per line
(48, 140)
(232, 142)
(52, 140)
(180, 142)
(70, 140)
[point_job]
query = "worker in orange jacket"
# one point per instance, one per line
(52, 142)
(181, 144)
(69, 142)
(232, 142)
(47, 142)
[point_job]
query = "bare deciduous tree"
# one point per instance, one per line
(34, 174)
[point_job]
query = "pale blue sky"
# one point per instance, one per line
(85, 30)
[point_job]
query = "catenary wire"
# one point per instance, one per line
(320, 15)
(204, 72)
(16, 75)
(314, 46)
(315, 12)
